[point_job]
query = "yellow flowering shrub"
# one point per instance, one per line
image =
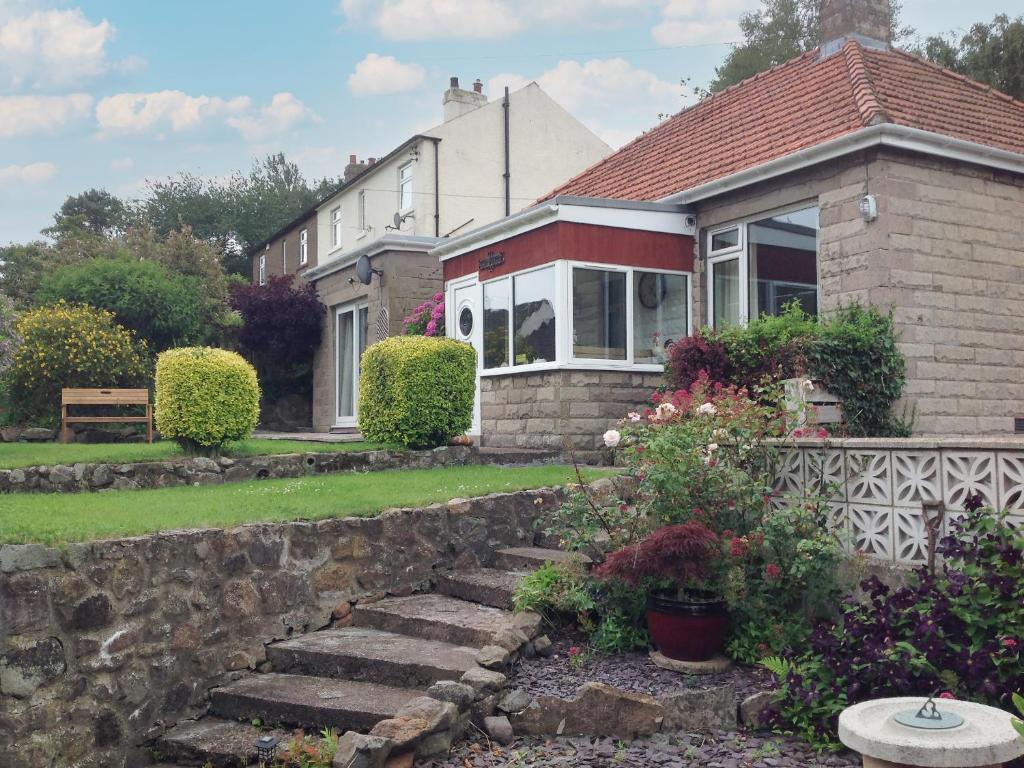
(69, 345)
(205, 397)
(416, 390)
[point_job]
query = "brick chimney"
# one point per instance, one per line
(354, 168)
(866, 21)
(458, 102)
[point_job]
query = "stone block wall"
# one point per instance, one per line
(106, 644)
(552, 408)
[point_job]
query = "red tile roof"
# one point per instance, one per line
(797, 105)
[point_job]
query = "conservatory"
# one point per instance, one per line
(570, 306)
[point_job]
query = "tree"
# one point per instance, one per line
(779, 31)
(22, 268)
(94, 211)
(991, 53)
(235, 213)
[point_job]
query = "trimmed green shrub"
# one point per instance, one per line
(64, 345)
(205, 397)
(164, 308)
(416, 390)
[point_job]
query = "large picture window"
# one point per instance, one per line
(598, 314)
(661, 314)
(534, 319)
(495, 328)
(759, 267)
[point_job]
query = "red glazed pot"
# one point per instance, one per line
(687, 630)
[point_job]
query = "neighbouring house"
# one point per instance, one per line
(855, 172)
(488, 159)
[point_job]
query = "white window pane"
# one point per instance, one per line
(599, 314)
(728, 238)
(725, 287)
(660, 308)
(533, 325)
(346, 371)
(496, 304)
(783, 256)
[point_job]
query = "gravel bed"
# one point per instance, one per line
(716, 750)
(558, 676)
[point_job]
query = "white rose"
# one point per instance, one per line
(633, 416)
(665, 410)
(612, 438)
(707, 409)
(712, 447)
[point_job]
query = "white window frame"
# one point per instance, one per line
(284, 257)
(336, 227)
(742, 253)
(362, 211)
(263, 268)
(303, 247)
(402, 184)
(564, 357)
(352, 308)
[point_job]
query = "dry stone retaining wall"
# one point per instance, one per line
(104, 645)
(64, 478)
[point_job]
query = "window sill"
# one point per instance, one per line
(596, 365)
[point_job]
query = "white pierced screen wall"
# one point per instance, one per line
(883, 482)
(382, 324)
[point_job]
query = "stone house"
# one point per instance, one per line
(486, 160)
(855, 172)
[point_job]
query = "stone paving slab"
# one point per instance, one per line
(309, 702)
(487, 586)
(434, 617)
(530, 558)
(359, 653)
(221, 743)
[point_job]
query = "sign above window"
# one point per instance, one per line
(492, 260)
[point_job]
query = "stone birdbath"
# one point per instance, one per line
(894, 733)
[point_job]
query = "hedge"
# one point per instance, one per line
(417, 391)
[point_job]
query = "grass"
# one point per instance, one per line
(55, 518)
(13, 455)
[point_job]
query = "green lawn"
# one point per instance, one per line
(14, 455)
(52, 518)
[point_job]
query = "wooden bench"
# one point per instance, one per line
(70, 397)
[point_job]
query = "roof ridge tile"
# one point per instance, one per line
(864, 95)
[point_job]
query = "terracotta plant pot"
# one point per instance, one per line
(687, 630)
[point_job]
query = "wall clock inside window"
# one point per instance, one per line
(651, 290)
(466, 322)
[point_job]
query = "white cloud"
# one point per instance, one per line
(141, 112)
(122, 164)
(696, 22)
(282, 114)
(33, 173)
(28, 115)
(612, 97)
(55, 48)
(476, 19)
(376, 75)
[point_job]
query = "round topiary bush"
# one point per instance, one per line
(417, 391)
(65, 345)
(205, 397)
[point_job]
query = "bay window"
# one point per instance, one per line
(495, 329)
(598, 314)
(661, 314)
(758, 267)
(533, 328)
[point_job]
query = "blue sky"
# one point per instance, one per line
(109, 93)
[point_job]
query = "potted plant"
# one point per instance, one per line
(680, 566)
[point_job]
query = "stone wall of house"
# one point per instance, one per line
(409, 279)
(71, 478)
(549, 409)
(104, 645)
(946, 253)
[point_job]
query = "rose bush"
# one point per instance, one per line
(427, 319)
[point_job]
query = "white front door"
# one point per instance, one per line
(350, 333)
(464, 323)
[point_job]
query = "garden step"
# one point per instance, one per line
(309, 702)
(434, 617)
(219, 743)
(359, 653)
(487, 586)
(531, 558)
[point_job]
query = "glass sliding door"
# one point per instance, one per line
(351, 331)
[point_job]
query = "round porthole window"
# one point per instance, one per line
(466, 322)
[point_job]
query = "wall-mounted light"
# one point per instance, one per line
(869, 207)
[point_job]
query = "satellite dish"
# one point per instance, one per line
(397, 220)
(363, 270)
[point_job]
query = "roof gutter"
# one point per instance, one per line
(882, 135)
(495, 231)
(389, 242)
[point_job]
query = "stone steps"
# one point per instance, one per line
(487, 586)
(371, 655)
(531, 558)
(309, 702)
(220, 743)
(434, 617)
